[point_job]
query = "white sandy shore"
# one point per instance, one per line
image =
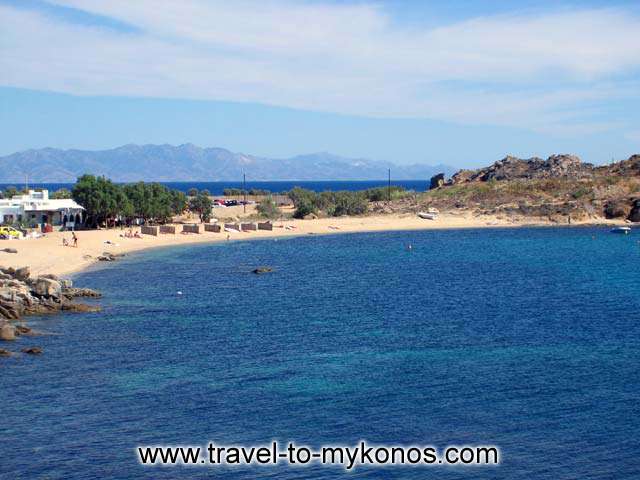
(48, 255)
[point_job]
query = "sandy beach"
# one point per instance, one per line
(48, 254)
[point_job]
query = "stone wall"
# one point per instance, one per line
(167, 229)
(147, 230)
(191, 228)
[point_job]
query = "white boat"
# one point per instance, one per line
(623, 230)
(428, 215)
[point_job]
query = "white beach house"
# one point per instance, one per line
(37, 209)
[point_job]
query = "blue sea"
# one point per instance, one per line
(527, 339)
(216, 188)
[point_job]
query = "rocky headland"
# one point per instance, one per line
(559, 189)
(22, 295)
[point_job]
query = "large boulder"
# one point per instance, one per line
(22, 273)
(7, 332)
(46, 287)
(7, 294)
(436, 181)
(66, 283)
(634, 214)
(617, 209)
(11, 310)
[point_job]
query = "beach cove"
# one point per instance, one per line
(525, 338)
(48, 255)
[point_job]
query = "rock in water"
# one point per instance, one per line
(22, 330)
(7, 332)
(70, 292)
(10, 310)
(80, 307)
(32, 350)
(4, 353)
(260, 270)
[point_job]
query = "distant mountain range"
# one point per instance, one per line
(166, 163)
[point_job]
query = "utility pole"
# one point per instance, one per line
(389, 188)
(244, 191)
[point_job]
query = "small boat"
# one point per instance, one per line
(623, 230)
(428, 215)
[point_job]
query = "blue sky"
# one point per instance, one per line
(463, 82)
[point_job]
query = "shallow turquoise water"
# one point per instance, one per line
(527, 339)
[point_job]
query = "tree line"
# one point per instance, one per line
(107, 203)
(338, 203)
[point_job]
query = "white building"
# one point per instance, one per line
(37, 209)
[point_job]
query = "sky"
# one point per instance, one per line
(458, 82)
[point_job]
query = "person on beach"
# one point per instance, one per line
(75, 239)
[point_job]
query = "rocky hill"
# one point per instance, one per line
(512, 168)
(559, 189)
(192, 163)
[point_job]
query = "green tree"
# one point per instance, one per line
(192, 192)
(61, 194)
(102, 199)
(10, 192)
(202, 205)
(305, 201)
(152, 201)
(178, 202)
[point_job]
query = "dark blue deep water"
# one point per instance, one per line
(524, 338)
(216, 188)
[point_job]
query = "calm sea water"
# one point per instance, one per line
(216, 188)
(524, 338)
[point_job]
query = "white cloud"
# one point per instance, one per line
(536, 71)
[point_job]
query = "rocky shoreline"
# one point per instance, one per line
(22, 295)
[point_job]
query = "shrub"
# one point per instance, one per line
(304, 208)
(379, 194)
(268, 208)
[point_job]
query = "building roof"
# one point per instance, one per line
(39, 201)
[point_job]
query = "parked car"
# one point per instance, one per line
(231, 203)
(7, 232)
